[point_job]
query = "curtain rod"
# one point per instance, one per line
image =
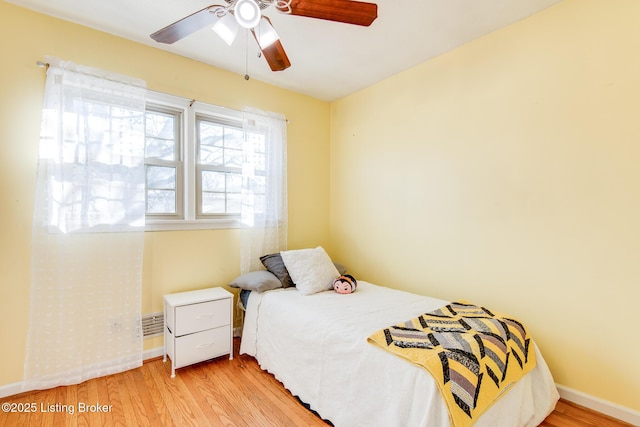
(45, 65)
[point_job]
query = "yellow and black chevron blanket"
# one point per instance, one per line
(474, 354)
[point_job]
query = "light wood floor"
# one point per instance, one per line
(215, 393)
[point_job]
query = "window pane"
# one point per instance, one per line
(233, 158)
(234, 182)
(233, 203)
(213, 181)
(213, 203)
(233, 138)
(160, 148)
(161, 177)
(221, 192)
(210, 155)
(161, 201)
(219, 145)
(210, 133)
(160, 135)
(160, 124)
(211, 143)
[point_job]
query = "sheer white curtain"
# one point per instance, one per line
(264, 187)
(88, 223)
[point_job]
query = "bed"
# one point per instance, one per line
(316, 345)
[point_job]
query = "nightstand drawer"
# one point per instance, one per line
(202, 346)
(201, 316)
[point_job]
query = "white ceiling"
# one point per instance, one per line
(329, 60)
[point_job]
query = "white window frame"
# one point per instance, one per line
(190, 109)
(178, 163)
(237, 124)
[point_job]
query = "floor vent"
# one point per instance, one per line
(152, 324)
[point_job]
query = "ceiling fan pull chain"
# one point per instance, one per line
(246, 55)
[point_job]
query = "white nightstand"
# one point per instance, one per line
(198, 326)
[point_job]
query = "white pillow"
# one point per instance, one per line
(310, 269)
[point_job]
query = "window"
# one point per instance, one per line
(219, 168)
(163, 163)
(194, 159)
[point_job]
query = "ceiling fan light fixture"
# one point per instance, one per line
(227, 28)
(266, 34)
(247, 13)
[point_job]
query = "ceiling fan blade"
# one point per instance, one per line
(274, 53)
(188, 25)
(346, 11)
(276, 57)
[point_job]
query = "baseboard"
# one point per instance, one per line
(611, 409)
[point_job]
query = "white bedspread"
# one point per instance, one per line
(317, 347)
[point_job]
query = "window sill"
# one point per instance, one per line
(200, 224)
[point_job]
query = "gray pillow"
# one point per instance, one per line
(259, 280)
(341, 268)
(274, 263)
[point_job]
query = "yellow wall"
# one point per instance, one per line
(507, 172)
(173, 261)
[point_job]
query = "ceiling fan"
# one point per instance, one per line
(227, 19)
